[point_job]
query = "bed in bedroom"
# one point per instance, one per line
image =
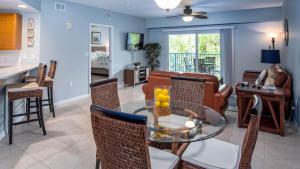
(100, 61)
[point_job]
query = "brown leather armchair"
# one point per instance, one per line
(215, 95)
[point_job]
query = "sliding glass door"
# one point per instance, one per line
(195, 52)
(182, 49)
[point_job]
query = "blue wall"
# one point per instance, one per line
(71, 47)
(292, 52)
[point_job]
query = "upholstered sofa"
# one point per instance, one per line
(282, 79)
(215, 95)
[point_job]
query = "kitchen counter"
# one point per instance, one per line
(11, 71)
(8, 75)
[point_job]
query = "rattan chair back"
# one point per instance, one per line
(41, 76)
(52, 69)
(121, 138)
(187, 92)
(104, 93)
(251, 134)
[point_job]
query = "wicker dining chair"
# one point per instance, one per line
(216, 154)
(121, 138)
(187, 93)
(104, 93)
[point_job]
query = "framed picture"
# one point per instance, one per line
(286, 32)
(96, 38)
(30, 23)
(30, 33)
(30, 42)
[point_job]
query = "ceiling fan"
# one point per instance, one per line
(188, 14)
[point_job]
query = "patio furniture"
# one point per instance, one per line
(210, 63)
(18, 91)
(49, 81)
(216, 154)
(175, 129)
(121, 138)
(188, 66)
(215, 95)
(202, 66)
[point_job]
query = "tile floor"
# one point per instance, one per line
(69, 143)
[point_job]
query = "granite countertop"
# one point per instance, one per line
(10, 71)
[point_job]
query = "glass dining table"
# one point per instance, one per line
(187, 122)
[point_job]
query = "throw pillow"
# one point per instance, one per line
(270, 81)
(261, 77)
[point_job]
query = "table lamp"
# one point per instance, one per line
(270, 56)
(273, 36)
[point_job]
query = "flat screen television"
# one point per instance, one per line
(135, 41)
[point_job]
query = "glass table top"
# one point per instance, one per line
(186, 122)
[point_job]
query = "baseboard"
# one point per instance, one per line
(70, 100)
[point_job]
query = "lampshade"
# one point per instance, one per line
(187, 18)
(270, 56)
(167, 4)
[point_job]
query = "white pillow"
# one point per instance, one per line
(261, 77)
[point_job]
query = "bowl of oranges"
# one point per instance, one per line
(162, 101)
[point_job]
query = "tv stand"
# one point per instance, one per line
(134, 76)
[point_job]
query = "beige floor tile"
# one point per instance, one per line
(38, 166)
(66, 159)
(42, 147)
(17, 160)
(6, 150)
(71, 136)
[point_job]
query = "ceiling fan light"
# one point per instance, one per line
(167, 4)
(187, 18)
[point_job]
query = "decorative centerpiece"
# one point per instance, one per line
(162, 101)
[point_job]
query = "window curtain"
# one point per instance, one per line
(227, 64)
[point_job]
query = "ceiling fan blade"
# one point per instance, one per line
(200, 16)
(174, 16)
(199, 13)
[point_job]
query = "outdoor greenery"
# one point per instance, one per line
(185, 43)
(152, 54)
(182, 50)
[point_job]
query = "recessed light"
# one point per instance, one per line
(22, 6)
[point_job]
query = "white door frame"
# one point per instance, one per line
(111, 30)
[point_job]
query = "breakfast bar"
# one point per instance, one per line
(11, 74)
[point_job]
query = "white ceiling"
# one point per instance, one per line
(12, 5)
(149, 9)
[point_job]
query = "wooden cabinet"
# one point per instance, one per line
(10, 31)
(135, 76)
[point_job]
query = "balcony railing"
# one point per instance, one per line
(186, 62)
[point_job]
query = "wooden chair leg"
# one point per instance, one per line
(28, 108)
(40, 111)
(51, 99)
(10, 120)
(97, 163)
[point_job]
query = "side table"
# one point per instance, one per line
(273, 99)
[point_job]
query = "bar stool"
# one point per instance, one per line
(18, 91)
(49, 84)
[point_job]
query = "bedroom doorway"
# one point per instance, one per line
(100, 52)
